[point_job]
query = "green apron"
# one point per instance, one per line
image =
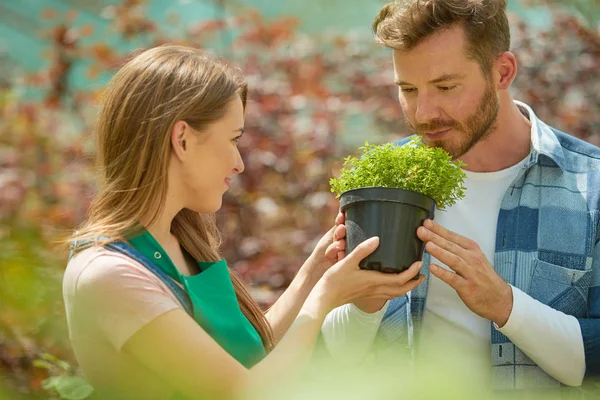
(215, 304)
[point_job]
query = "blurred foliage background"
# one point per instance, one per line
(319, 87)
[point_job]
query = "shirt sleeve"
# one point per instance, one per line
(348, 332)
(590, 326)
(119, 297)
(552, 339)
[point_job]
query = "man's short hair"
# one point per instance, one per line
(403, 24)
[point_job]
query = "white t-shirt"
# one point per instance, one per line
(448, 323)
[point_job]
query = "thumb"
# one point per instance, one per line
(362, 250)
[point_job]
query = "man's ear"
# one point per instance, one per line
(180, 139)
(505, 70)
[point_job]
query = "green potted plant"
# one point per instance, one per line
(389, 191)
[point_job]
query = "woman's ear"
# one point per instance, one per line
(180, 139)
(506, 70)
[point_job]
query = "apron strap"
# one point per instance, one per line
(131, 252)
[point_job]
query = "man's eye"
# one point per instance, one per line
(407, 90)
(446, 88)
(237, 140)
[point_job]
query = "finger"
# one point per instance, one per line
(339, 232)
(447, 234)
(410, 273)
(337, 245)
(456, 263)
(391, 292)
(341, 255)
(340, 218)
(380, 279)
(449, 277)
(361, 251)
(332, 250)
(427, 235)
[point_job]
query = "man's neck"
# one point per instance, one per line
(508, 144)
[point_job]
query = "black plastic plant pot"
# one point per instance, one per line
(392, 214)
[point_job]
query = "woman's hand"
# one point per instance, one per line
(283, 313)
(345, 282)
(330, 249)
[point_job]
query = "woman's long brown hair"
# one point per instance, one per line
(142, 103)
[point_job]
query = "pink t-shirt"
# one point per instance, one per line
(108, 298)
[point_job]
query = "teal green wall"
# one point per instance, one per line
(21, 22)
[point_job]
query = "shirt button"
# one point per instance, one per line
(157, 255)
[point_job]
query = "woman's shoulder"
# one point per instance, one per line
(97, 269)
(112, 293)
(98, 262)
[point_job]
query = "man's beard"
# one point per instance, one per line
(475, 128)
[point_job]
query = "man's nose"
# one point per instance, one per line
(427, 110)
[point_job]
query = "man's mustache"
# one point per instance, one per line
(432, 126)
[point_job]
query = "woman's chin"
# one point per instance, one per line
(207, 208)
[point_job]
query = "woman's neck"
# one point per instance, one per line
(160, 229)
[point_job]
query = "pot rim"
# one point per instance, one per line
(423, 198)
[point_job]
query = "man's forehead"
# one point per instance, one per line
(433, 69)
(432, 66)
(449, 42)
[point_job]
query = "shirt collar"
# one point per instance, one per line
(543, 140)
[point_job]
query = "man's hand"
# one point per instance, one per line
(474, 278)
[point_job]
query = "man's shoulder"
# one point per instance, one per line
(581, 162)
(578, 153)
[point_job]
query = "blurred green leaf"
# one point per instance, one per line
(42, 364)
(69, 387)
(56, 361)
(50, 383)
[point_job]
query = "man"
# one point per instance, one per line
(514, 281)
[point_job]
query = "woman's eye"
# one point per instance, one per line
(237, 140)
(407, 90)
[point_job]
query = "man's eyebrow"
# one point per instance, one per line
(241, 130)
(443, 78)
(448, 77)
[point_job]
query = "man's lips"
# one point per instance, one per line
(436, 135)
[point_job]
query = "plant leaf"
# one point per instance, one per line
(56, 361)
(414, 166)
(73, 388)
(42, 364)
(50, 383)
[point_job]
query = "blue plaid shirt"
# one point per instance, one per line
(546, 245)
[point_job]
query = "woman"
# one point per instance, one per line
(167, 151)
